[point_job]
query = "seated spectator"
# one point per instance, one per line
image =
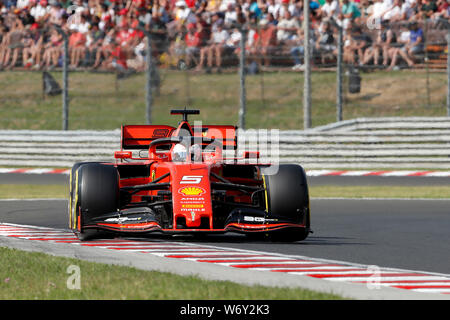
(442, 10)
(268, 40)
(330, 9)
(117, 61)
(325, 41)
(4, 40)
(287, 29)
(193, 41)
(358, 43)
(386, 38)
(273, 8)
(52, 50)
(56, 12)
(298, 50)
(94, 40)
(349, 12)
(31, 55)
(365, 7)
(105, 50)
(414, 45)
(394, 11)
(215, 46)
(219, 37)
(230, 18)
(286, 5)
(252, 45)
(176, 49)
(428, 8)
(15, 44)
(77, 48)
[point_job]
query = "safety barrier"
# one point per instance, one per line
(367, 143)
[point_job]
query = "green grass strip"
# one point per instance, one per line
(32, 275)
(30, 191)
(405, 192)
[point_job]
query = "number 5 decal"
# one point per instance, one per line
(191, 179)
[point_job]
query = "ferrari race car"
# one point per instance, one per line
(181, 182)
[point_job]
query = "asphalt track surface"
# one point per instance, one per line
(407, 234)
(19, 178)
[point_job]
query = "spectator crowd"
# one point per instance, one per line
(206, 34)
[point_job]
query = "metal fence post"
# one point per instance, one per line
(65, 93)
(148, 84)
(426, 58)
(339, 74)
(242, 100)
(307, 80)
(448, 72)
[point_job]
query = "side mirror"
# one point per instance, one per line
(123, 155)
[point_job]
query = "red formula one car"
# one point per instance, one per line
(185, 185)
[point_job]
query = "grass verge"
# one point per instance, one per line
(20, 191)
(32, 275)
(33, 191)
(274, 99)
(422, 192)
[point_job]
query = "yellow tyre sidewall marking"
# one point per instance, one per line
(70, 199)
(265, 194)
(75, 204)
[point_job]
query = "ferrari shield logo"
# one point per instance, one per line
(191, 191)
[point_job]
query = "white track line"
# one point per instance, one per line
(331, 270)
(311, 173)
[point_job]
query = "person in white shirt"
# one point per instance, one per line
(225, 4)
(394, 12)
(215, 47)
(230, 16)
(40, 10)
(287, 28)
(273, 8)
(21, 4)
(330, 9)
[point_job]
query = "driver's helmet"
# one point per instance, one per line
(196, 152)
(179, 153)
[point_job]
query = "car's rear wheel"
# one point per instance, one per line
(95, 192)
(287, 198)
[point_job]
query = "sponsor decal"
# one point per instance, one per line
(122, 219)
(191, 191)
(193, 209)
(196, 199)
(160, 133)
(191, 179)
(258, 219)
(192, 206)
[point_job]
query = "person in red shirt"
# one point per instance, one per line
(193, 41)
(127, 38)
(119, 56)
(268, 41)
(77, 48)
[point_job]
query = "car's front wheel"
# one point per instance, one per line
(95, 192)
(287, 198)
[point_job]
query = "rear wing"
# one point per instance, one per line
(140, 136)
(225, 134)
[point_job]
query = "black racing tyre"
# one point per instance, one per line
(72, 198)
(96, 193)
(287, 198)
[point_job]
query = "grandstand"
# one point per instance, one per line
(205, 34)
